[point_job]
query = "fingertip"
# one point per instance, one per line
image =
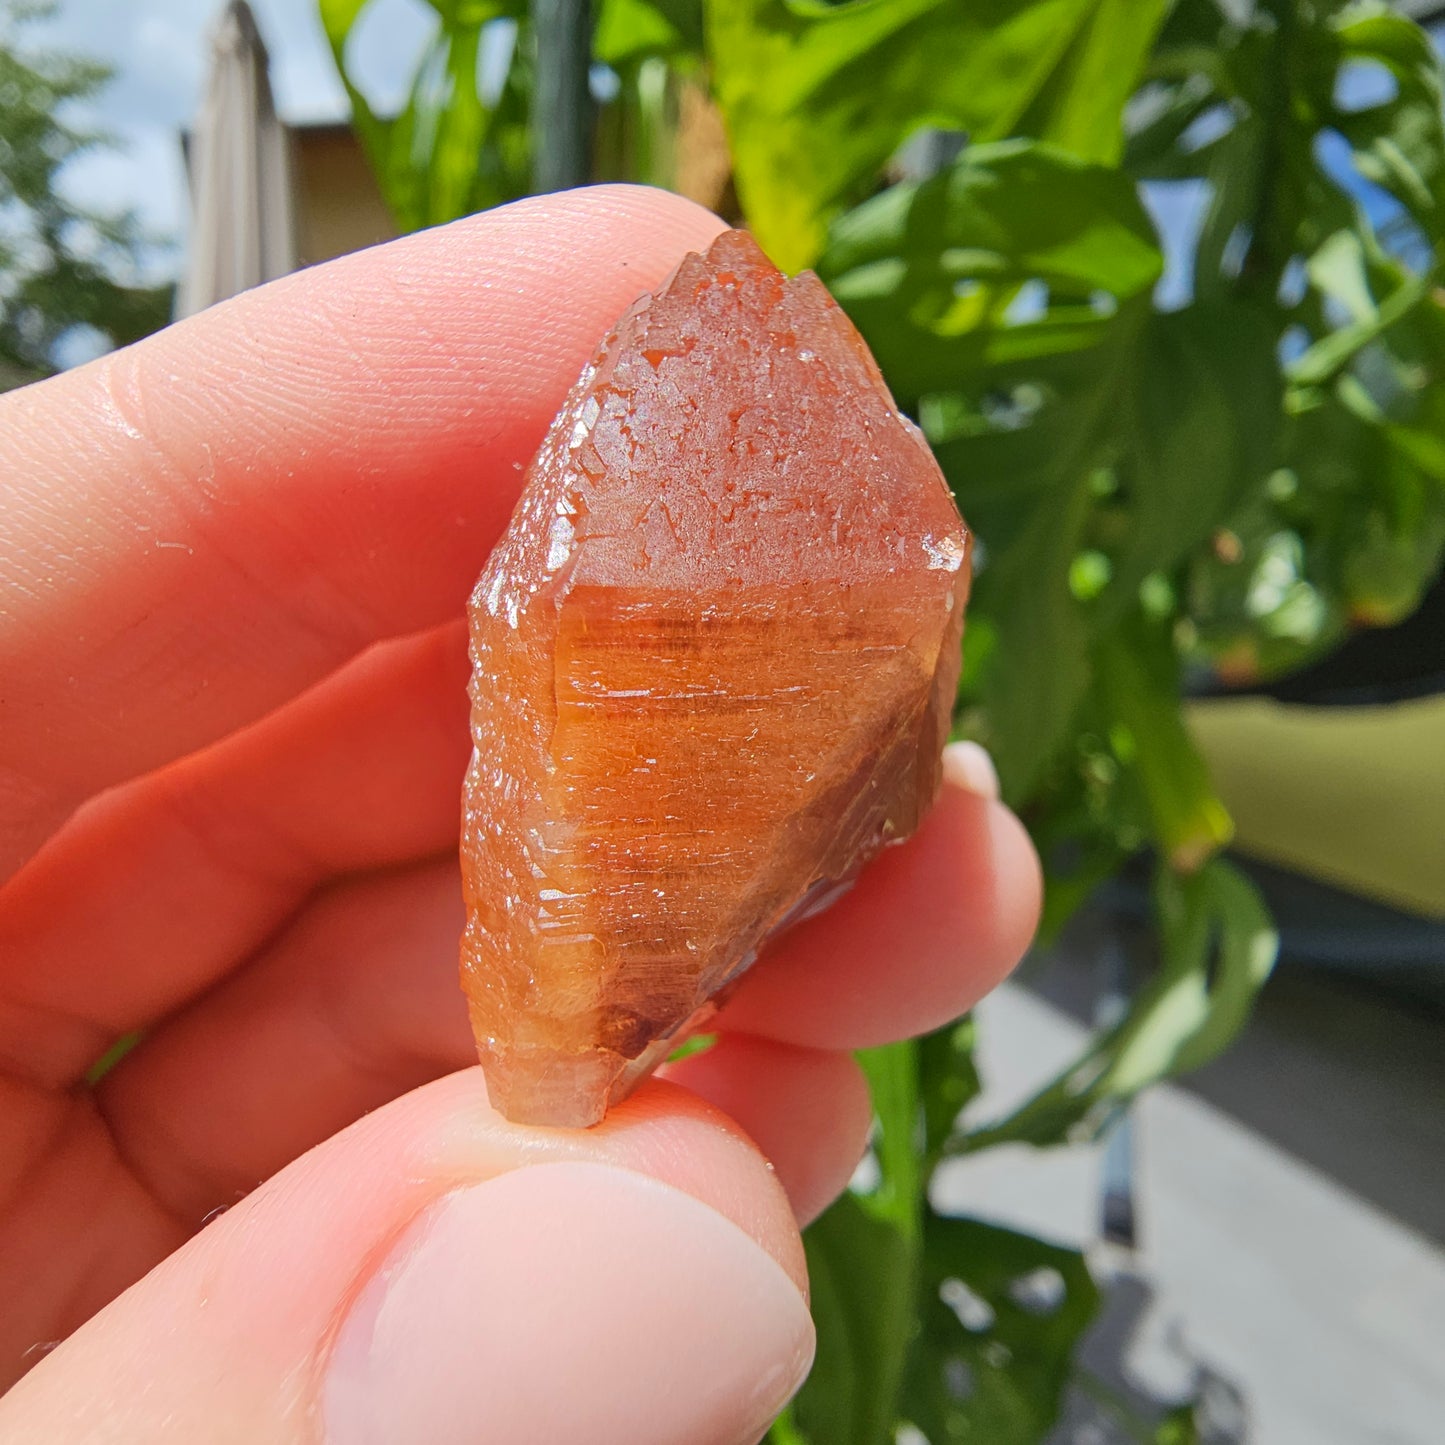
(617, 241)
(807, 1110)
(930, 927)
(669, 217)
(1020, 881)
(673, 1133)
(667, 1199)
(967, 765)
(567, 1301)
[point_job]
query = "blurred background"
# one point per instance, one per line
(1161, 283)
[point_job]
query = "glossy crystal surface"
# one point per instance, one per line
(714, 658)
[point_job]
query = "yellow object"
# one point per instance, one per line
(1353, 796)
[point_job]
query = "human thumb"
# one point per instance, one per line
(436, 1274)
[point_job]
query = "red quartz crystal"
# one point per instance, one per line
(714, 659)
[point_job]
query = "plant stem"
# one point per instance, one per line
(901, 1198)
(893, 1080)
(561, 100)
(1118, 1407)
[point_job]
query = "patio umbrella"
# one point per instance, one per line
(242, 205)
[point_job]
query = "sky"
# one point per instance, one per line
(160, 52)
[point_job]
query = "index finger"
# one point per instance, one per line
(197, 528)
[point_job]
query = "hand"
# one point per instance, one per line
(233, 725)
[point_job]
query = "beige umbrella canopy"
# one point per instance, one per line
(242, 206)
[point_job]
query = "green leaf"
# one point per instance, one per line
(461, 129)
(1138, 689)
(1203, 413)
(818, 96)
(1030, 707)
(785, 1431)
(862, 1261)
(1218, 946)
(1329, 356)
(63, 265)
(1080, 108)
(695, 1044)
(1180, 1426)
(862, 1271)
(892, 1073)
(445, 154)
(629, 31)
(338, 20)
(948, 1082)
(929, 270)
(111, 1057)
(1399, 144)
(1002, 1314)
(1337, 269)
(1215, 918)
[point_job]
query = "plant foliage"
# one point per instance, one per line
(1166, 302)
(62, 265)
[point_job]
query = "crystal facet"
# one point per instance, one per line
(714, 658)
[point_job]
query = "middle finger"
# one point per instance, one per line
(153, 892)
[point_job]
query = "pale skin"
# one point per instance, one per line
(233, 562)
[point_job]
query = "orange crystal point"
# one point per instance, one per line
(714, 659)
